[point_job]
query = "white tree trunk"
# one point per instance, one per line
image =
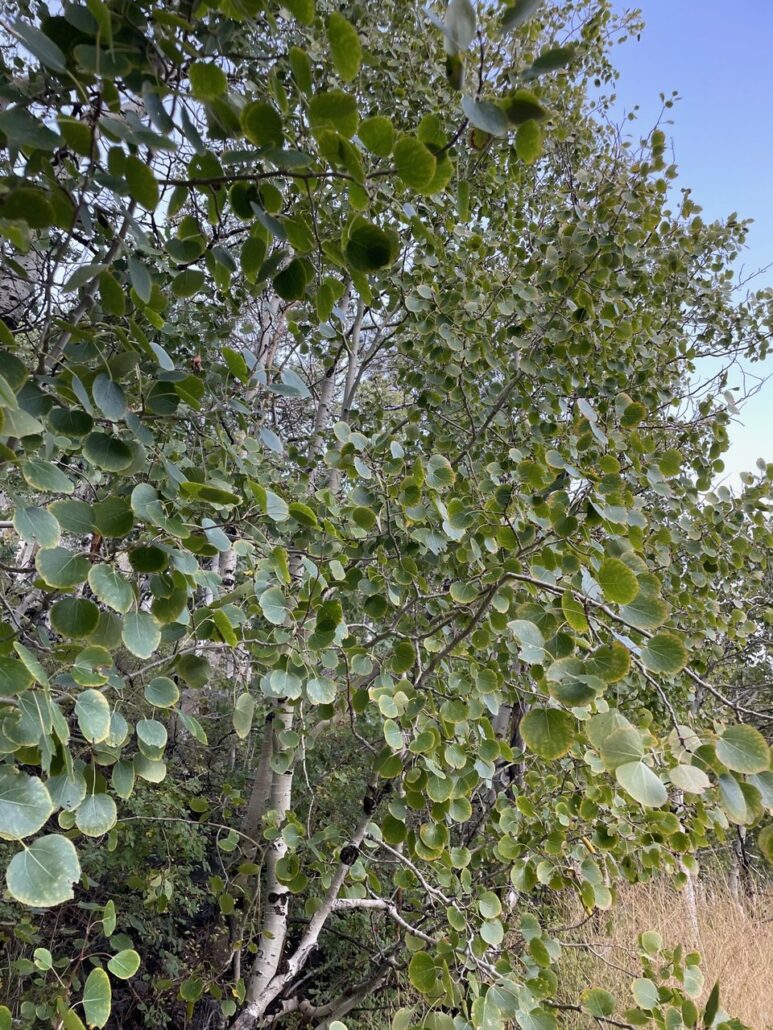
(273, 930)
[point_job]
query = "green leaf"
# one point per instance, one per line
(43, 874)
(119, 730)
(44, 475)
(14, 676)
(664, 653)
(321, 691)
(403, 656)
(141, 634)
(633, 414)
(285, 684)
(82, 276)
(140, 279)
(528, 141)
(191, 990)
(71, 421)
(207, 80)
(645, 612)
(194, 669)
(188, 283)
(60, 568)
(460, 24)
(292, 386)
(645, 993)
(237, 366)
(244, 710)
(25, 804)
(440, 473)
(303, 514)
(486, 116)
(31, 663)
(111, 588)
(422, 972)
(537, 1019)
(93, 714)
(621, 746)
(301, 68)
(763, 782)
(415, 163)
(19, 125)
(553, 59)
(162, 692)
(148, 559)
(43, 958)
(733, 799)
(107, 452)
(96, 814)
(36, 526)
(363, 517)
(122, 780)
(693, 980)
(531, 640)
(125, 964)
(574, 612)
(108, 919)
(74, 617)
(67, 790)
(548, 732)
(644, 786)
(765, 842)
(743, 749)
(712, 1007)
(274, 606)
(335, 110)
(262, 124)
(670, 462)
(73, 516)
(489, 905)
(618, 583)
(689, 778)
(345, 46)
(17, 422)
(40, 46)
(210, 493)
(109, 397)
(516, 14)
(291, 282)
(370, 248)
(377, 135)
(97, 998)
(111, 294)
(30, 206)
(597, 1002)
(523, 106)
(142, 183)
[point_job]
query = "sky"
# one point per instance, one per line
(718, 54)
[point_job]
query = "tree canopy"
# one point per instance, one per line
(365, 584)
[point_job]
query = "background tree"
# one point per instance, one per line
(364, 587)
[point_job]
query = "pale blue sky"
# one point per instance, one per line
(718, 54)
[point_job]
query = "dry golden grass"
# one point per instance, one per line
(735, 942)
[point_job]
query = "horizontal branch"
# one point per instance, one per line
(279, 173)
(433, 891)
(379, 904)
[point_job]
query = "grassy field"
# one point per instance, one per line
(734, 938)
